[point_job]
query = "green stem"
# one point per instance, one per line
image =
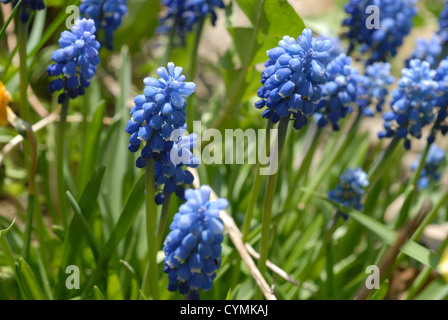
(191, 107)
(60, 139)
(239, 87)
(304, 167)
(411, 190)
(256, 186)
(380, 164)
(166, 57)
(269, 198)
(163, 218)
(150, 281)
(13, 13)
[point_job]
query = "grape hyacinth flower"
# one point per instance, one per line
(182, 15)
(350, 189)
(443, 23)
(339, 93)
(158, 119)
(434, 160)
(27, 5)
(427, 50)
(412, 103)
(442, 101)
(107, 15)
(373, 88)
(395, 23)
(193, 247)
(169, 170)
(293, 78)
(76, 60)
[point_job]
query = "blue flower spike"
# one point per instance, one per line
(293, 78)
(193, 247)
(339, 93)
(395, 24)
(76, 60)
(27, 5)
(433, 163)
(413, 103)
(158, 120)
(373, 88)
(350, 189)
(107, 14)
(182, 15)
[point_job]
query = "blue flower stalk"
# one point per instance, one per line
(293, 78)
(76, 60)
(107, 14)
(373, 88)
(350, 190)
(431, 168)
(158, 121)
(26, 6)
(292, 86)
(75, 65)
(441, 124)
(193, 247)
(180, 16)
(339, 93)
(413, 103)
(395, 24)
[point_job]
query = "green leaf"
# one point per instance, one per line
(28, 282)
(128, 214)
(410, 248)
(277, 19)
(73, 236)
(84, 224)
(91, 146)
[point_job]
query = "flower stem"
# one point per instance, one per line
(269, 197)
(411, 190)
(163, 218)
(31, 187)
(150, 281)
(378, 167)
(60, 139)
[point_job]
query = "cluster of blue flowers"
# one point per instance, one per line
(443, 23)
(442, 100)
(76, 60)
(427, 50)
(27, 5)
(434, 160)
(412, 103)
(339, 93)
(158, 119)
(373, 87)
(395, 23)
(350, 189)
(193, 247)
(107, 15)
(293, 78)
(182, 15)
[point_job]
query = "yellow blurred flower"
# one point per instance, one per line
(443, 265)
(5, 97)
